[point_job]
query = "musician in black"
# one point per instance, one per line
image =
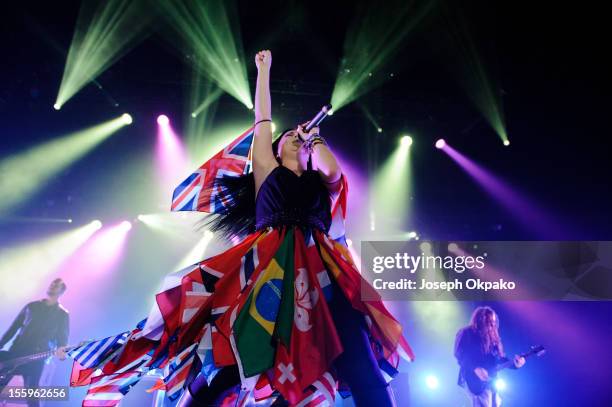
(40, 326)
(479, 349)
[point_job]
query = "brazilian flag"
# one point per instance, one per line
(267, 315)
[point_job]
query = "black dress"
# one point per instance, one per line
(288, 199)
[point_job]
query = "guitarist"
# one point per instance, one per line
(479, 349)
(40, 326)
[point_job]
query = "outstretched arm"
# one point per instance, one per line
(263, 157)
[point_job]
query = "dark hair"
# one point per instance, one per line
(237, 216)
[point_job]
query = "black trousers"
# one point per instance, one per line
(357, 365)
(30, 372)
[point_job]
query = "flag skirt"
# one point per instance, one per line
(263, 305)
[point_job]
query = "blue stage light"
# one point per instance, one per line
(500, 385)
(432, 382)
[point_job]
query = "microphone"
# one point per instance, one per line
(315, 121)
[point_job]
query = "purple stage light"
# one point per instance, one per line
(163, 120)
(172, 162)
(440, 143)
(526, 212)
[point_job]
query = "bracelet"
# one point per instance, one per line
(261, 121)
(313, 141)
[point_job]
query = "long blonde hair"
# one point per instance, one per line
(490, 340)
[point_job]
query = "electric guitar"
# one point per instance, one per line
(477, 385)
(8, 363)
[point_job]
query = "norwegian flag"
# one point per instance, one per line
(199, 192)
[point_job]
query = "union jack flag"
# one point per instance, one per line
(199, 192)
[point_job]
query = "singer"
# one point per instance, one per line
(287, 201)
(279, 314)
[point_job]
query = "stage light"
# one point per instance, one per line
(394, 179)
(472, 73)
(163, 120)
(171, 158)
(432, 382)
(127, 118)
(330, 112)
(104, 32)
(96, 224)
(69, 220)
(57, 106)
(406, 141)
(527, 212)
(412, 235)
(453, 247)
(506, 142)
(273, 127)
(440, 143)
(425, 247)
(500, 384)
(26, 172)
(211, 31)
(197, 253)
(379, 129)
(349, 242)
(125, 225)
(250, 106)
(35, 261)
(372, 39)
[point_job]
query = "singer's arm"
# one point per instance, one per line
(324, 161)
(263, 157)
(326, 164)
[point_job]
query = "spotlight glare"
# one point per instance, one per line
(330, 112)
(406, 141)
(140, 218)
(432, 382)
(273, 127)
(412, 235)
(349, 242)
(127, 118)
(69, 220)
(96, 224)
(125, 225)
(250, 106)
(453, 247)
(194, 115)
(163, 120)
(379, 129)
(500, 385)
(57, 106)
(506, 142)
(441, 143)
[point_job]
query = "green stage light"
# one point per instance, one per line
(372, 39)
(406, 141)
(104, 32)
(127, 118)
(392, 187)
(35, 261)
(472, 73)
(215, 40)
(25, 173)
(197, 253)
